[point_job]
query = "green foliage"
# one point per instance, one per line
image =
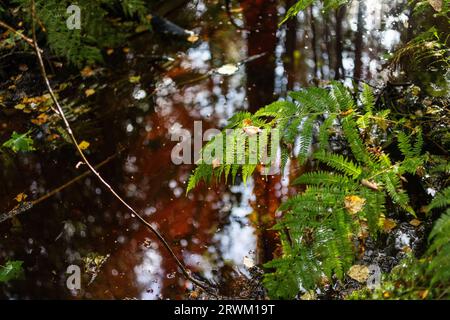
(99, 26)
(442, 199)
(11, 270)
(19, 142)
(333, 211)
(344, 198)
(439, 266)
(303, 4)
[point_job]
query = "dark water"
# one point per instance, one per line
(212, 229)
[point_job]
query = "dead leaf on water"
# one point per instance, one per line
(21, 197)
(87, 72)
(89, 92)
(134, 79)
(84, 145)
(41, 119)
(192, 38)
(227, 69)
(359, 273)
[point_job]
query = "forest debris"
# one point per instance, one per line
(423, 294)
(93, 262)
(134, 79)
(370, 184)
(309, 295)
(248, 262)
(436, 4)
(89, 92)
(21, 197)
(389, 224)
(87, 72)
(354, 204)
(227, 69)
(251, 130)
(415, 222)
(215, 163)
(41, 119)
(84, 145)
(359, 273)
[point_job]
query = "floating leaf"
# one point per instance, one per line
(20, 142)
(84, 145)
(87, 72)
(11, 270)
(89, 92)
(227, 69)
(21, 197)
(134, 79)
(41, 119)
(192, 37)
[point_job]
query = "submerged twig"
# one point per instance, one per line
(27, 205)
(74, 140)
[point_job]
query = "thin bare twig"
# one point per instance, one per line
(27, 205)
(25, 38)
(135, 214)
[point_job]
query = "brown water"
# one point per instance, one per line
(211, 229)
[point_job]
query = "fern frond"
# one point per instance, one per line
(322, 178)
(367, 98)
(442, 199)
(340, 163)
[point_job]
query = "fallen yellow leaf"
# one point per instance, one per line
(415, 222)
(89, 92)
(41, 119)
(359, 273)
(21, 197)
(389, 224)
(354, 204)
(84, 145)
(87, 72)
(134, 79)
(192, 38)
(423, 293)
(310, 295)
(436, 4)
